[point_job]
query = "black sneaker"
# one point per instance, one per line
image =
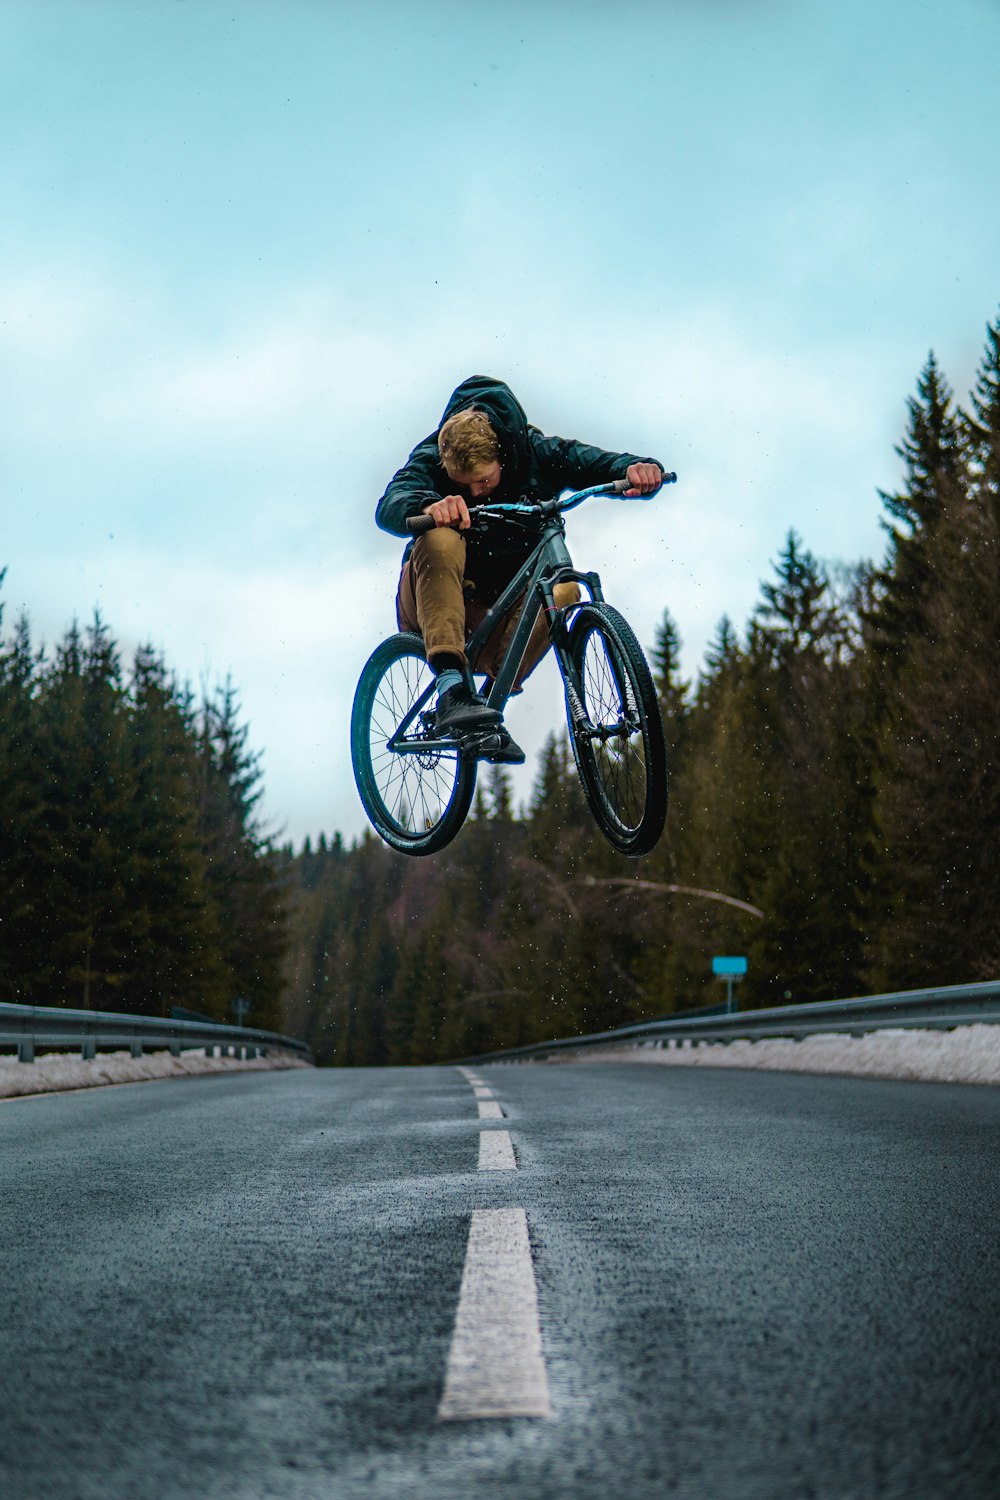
(461, 711)
(500, 749)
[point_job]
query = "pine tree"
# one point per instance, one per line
(939, 801)
(92, 932)
(22, 893)
(671, 689)
(558, 814)
(794, 620)
(711, 775)
(178, 960)
(500, 794)
(933, 455)
(809, 945)
(426, 988)
(982, 427)
(243, 871)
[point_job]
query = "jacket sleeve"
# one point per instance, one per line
(410, 489)
(566, 464)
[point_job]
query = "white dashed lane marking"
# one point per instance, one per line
(496, 1154)
(489, 1109)
(482, 1092)
(496, 1367)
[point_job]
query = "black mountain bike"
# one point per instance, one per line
(417, 787)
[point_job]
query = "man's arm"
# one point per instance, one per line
(411, 489)
(566, 464)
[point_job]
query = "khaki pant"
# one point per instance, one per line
(432, 600)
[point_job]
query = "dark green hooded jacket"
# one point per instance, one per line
(532, 467)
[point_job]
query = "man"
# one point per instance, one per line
(484, 448)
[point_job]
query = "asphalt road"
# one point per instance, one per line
(748, 1285)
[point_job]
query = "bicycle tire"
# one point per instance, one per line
(416, 803)
(618, 739)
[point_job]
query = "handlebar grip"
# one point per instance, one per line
(417, 525)
(619, 486)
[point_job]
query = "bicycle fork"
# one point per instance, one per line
(583, 727)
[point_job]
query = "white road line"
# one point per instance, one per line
(496, 1367)
(490, 1110)
(496, 1154)
(482, 1092)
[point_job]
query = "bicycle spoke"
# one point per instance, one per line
(622, 785)
(415, 797)
(618, 748)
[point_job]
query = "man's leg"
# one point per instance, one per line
(430, 592)
(431, 599)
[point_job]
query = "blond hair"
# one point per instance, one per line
(467, 443)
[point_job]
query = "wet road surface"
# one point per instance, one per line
(752, 1285)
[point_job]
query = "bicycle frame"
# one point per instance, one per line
(548, 564)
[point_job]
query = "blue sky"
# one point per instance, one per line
(247, 250)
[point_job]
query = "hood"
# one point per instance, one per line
(506, 417)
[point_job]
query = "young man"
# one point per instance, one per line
(484, 448)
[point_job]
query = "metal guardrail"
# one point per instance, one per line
(935, 1009)
(28, 1027)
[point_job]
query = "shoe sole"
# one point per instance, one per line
(499, 757)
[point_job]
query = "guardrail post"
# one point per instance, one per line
(88, 1049)
(26, 1051)
(175, 1049)
(136, 1049)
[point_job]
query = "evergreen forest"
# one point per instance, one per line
(835, 806)
(134, 875)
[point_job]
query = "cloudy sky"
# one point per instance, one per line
(248, 249)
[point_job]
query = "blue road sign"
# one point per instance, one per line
(730, 969)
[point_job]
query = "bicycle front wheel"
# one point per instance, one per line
(417, 799)
(616, 731)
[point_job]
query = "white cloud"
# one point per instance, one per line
(46, 315)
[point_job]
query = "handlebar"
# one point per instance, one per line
(417, 525)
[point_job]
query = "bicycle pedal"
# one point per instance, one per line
(478, 740)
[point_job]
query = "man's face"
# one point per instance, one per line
(479, 482)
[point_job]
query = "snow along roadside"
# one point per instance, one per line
(55, 1071)
(969, 1054)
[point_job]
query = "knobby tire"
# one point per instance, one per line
(621, 757)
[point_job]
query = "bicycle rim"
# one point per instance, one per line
(416, 801)
(618, 741)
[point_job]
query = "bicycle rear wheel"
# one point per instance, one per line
(618, 738)
(417, 800)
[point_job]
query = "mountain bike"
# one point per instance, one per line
(417, 787)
